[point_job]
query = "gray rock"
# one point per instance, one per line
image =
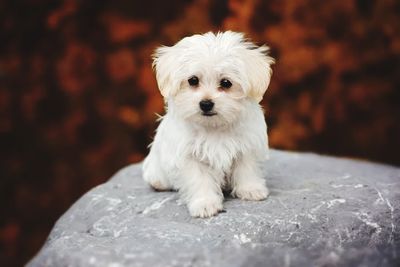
(322, 211)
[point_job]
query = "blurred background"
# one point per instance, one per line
(78, 96)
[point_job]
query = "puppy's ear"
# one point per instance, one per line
(164, 64)
(258, 68)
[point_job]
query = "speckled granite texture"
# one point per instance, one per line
(322, 211)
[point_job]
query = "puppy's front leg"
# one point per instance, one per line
(247, 182)
(201, 189)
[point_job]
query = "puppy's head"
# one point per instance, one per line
(209, 79)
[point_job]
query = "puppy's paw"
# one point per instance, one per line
(158, 185)
(251, 192)
(205, 207)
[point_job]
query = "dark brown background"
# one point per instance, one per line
(78, 96)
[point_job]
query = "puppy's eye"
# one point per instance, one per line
(225, 83)
(193, 81)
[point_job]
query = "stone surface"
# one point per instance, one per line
(322, 211)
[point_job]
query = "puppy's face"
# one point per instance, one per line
(209, 96)
(207, 79)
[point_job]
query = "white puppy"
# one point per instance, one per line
(213, 135)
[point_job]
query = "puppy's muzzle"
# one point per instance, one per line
(206, 106)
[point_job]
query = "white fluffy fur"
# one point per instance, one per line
(202, 155)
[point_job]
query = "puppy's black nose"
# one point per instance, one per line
(206, 105)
